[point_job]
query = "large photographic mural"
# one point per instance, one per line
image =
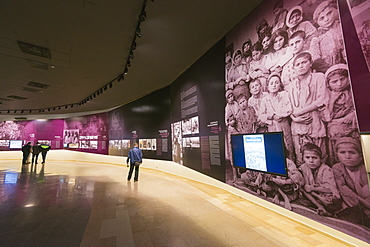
(286, 70)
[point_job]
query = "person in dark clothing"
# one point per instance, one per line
(44, 150)
(35, 152)
(134, 155)
(26, 150)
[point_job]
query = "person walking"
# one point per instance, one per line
(135, 156)
(26, 150)
(44, 150)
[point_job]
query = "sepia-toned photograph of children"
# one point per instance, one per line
(305, 59)
(351, 179)
(339, 111)
(307, 94)
(319, 184)
(274, 111)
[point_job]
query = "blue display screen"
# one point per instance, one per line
(262, 152)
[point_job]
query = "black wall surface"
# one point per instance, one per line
(207, 77)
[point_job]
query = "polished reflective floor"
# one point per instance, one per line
(85, 204)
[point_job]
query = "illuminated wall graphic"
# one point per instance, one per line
(87, 133)
(145, 121)
(286, 70)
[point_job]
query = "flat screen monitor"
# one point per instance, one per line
(263, 152)
(15, 144)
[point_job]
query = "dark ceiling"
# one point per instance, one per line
(55, 54)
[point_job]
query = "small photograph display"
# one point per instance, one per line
(71, 136)
(126, 144)
(141, 143)
(194, 125)
(47, 142)
(154, 144)
(4, 143)
(260, 152)
(186, 127)
(144, 144)
(15, 144)
(149, 144)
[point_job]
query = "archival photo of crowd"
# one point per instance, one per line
(286, 71)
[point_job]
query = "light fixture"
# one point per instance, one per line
(60, 107)
(94, 95)
(133, 46)
(105, 88)
(142, 15)
(138, 32)
(8, 111)
(66, 106)
(125, 71)
(30, 111)
(110, 85)
(22, 111)
(15, 111)
(132, 54)
(128, 64)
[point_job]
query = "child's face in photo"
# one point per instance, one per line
(256, 55)
(273, 85)
(255, 88)
(278, 43)
(338, 82)
(238, 59)
(265, 43)
(231, 120)
(230, 98)
(243, 103)
(327, 17)
(302, 66)
(348, 155)
(296, 44)
(246, 47)
(312, 159)
(295, 18)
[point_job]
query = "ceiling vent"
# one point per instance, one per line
(34, 49)
(20, 118)
(16, 97)
(38, 65)
(38, 85)
(5, 99)
(32, 90)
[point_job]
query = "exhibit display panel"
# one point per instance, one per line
(260, 152)
(287, 70)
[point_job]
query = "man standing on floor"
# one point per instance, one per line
(35, 153)
(44, 150)
(26, 150)
(135, 157)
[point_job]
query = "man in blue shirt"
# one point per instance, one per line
(135, 156)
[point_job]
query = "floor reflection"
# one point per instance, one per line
(84, 204)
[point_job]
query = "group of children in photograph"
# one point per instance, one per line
(294, 78)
